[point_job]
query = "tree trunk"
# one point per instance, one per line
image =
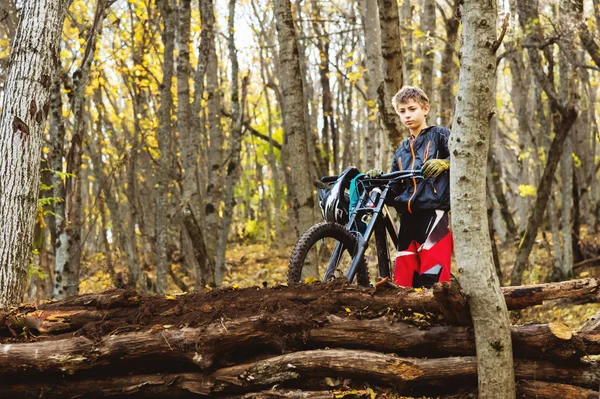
(9, 17)
(406, 32)
(275, 175)
(68, 255)
(541, 390)
(496, 173)
(475, 108)
(25, 106)
(351, 155)
(164, 138)
(391, 53)
(566, 163)
(234, 166)
(57, 139)
(564, 116)
(204, 265)
(521, 105)
(188, 130)
(329, 126)
(214, 190)
(372, 32)
(293, 117)
(119, 230)
(428, 20)
(448, 66)
(566, 265)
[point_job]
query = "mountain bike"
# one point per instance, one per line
(336, 247)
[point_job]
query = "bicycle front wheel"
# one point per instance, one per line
(315, 253)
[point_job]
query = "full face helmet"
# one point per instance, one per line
(334, 200)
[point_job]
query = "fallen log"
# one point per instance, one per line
(392, 370)
(199, 340)
(166, 385)
(592, 324)
(542, 341)
(521, 297)
(309, 369)
(528, 389)
(222, 341)
(129, 310)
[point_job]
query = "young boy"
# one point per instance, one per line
(425, 242)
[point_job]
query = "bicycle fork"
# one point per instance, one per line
(363, 239)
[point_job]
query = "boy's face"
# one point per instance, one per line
(412, 114)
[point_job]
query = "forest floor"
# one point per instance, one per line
(251, 266)
(260, 265)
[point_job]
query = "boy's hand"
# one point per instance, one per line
(372, 173)
(435, 167)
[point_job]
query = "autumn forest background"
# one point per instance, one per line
(165, 165)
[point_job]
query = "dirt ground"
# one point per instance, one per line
(127, 311)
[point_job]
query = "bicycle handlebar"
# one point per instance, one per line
(402, 174)
(329, 179)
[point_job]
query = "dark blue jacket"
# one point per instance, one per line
(429, 193)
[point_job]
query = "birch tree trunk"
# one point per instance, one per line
(187, 142)
(204, 265)
(566, 167)
(475, 107)
(272, 160)
(188, 137)
(234, 167)
(564, 114)
(166, 102)
(68, 253)
(25, 107)
(294, 123)
(214, 190)
(391, 51)
(57, 140)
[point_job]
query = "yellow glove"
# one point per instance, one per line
(435, 167)
(372, 173)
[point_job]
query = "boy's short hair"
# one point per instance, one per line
(407, 93)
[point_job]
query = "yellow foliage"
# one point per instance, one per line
(524, 155)
(576, 160)
(527, 190)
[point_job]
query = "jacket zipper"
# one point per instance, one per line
(412, 150)
(427, 152)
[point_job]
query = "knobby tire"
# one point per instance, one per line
(311, 237)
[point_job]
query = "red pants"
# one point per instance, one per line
(424, 249)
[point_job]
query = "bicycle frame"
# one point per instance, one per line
(378, 213)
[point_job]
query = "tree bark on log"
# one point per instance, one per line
(74, 313)
(183, 385)
(417, 375)
(223, 341)
(241, 343)
(541, 390)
